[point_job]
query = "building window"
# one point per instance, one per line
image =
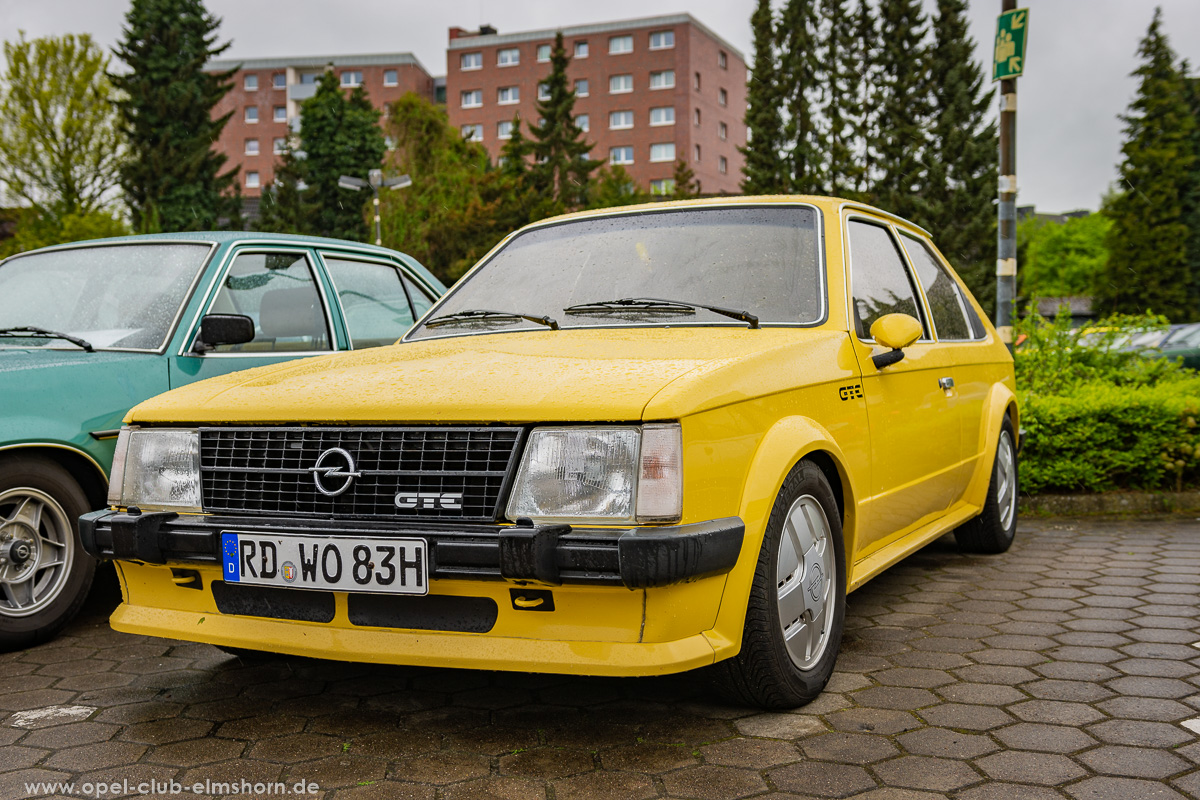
(662, 152)
(250, 83)
(722, 131)
(543, 91)
(583, 122)
(391, 77)
(581, 87)
(252, 147)
(352, 78)
(581, 49)
(723, 97)
(662, 40)
(722, 60)
(662, 186)
(543, 53)
(662, 116)
(620, 44)
(279, 114)
(307, 78)
(722, 164)
(279, 145)
(620, 84)
(696, 118)
(509, 95)
(697, 152)
(251, 114)
(696, 81)
(472, 98)
(472, 133)
(620, 155)
(618, 120)
(504, 129)
(251, 180)
(279, 80)
(662, 80)
(508, 57)
(468, 61)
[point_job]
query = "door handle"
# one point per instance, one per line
(946, 383)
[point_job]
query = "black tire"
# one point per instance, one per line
(63, 592)
(989, 533)
(763, 673)
(249, 656)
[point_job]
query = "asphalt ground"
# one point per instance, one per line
(1066, 668)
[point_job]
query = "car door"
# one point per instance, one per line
(379, 301)
(914, 422)
(278, 288)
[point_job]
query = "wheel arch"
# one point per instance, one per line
(1000, 405)
(86, 471)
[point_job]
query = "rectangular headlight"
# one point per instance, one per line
(156, 469)
(600, 474)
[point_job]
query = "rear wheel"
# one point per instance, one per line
(996, 526)
(797, 604)
(44, 573)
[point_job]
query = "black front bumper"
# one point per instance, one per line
(636, 558)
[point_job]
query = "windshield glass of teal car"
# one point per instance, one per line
(120, 296)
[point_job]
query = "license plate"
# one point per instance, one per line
(340, 563)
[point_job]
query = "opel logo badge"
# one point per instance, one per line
(334, 472)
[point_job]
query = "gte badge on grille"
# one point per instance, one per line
(448, 500)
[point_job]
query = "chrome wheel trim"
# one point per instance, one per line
(805, 585)
(1006, 481)
(35, 517)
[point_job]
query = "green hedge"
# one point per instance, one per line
(1101, 437)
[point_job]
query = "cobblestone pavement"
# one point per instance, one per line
(1066, 668)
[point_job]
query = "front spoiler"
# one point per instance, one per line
(554, 555)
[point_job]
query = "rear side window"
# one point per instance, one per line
(277, 291)
(878, 277)
(947, 306)
(374, 303)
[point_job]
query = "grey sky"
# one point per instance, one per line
(1077, 80)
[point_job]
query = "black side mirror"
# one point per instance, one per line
(218, 329)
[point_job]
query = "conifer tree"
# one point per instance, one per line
(904, 108)
(843, 84)
(801, 76)
(960, 184)
(1147, 268)
(1191, 199)
(172, 179)
(684, 185)
(562, 167)
(863, 56)
(515, 153)
(285, 207)
(763, 171)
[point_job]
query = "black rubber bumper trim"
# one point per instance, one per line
(637, 558)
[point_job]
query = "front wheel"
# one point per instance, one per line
(44, 573)
(797, 604)
(996, 526)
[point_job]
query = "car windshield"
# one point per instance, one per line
(115, 296)
(761, 260)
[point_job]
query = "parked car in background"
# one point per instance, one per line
(89, 330)
(1182, 345)
(629, 442)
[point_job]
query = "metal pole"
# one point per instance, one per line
(378, 226)
(1006, 244)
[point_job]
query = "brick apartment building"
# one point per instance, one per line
(649, 91)
(266, 96)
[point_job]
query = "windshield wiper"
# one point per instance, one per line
(30, 332)
(484, 314)
(657, 304)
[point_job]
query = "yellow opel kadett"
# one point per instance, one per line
(628, 442)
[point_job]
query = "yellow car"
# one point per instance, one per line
(629, 442)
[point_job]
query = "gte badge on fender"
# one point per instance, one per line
(451, 501)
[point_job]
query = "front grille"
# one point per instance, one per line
(402, 473)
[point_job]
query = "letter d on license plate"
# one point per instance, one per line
(341, 563)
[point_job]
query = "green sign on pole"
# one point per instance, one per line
(1011, 28)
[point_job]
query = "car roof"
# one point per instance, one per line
(225, 237)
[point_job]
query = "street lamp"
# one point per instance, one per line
(375, 180)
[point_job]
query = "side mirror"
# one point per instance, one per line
(218, 329)
(895, 331)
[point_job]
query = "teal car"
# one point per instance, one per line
(89, 330)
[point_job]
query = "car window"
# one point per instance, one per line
(879, 278)
(374, 303)
(946, 304)
(277, 291)
(421, 299)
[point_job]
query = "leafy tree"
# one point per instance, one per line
(613, 186)
(60, 145)
(1191, 195)
(960, 183)
(562, 167)
(802, 77)
(763, 172)
(683, 182)
(35, 229)
(172, 179)
(1148, 244)
(1061, 259)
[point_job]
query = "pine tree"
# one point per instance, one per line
(1147, 267)
(562, 166)
(844, 79)
(904, 109)
(285, 207)
(962, 157)
(683, 180)
(862, 61)
(172, 179)
(515, 153)
(802, 76)
(1191, 197)
(763, 172)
